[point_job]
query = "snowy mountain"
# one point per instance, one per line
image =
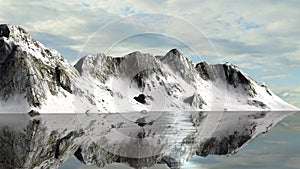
(139, 109)
(39, 78)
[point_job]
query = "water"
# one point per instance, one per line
(277, 149)
(143, 138)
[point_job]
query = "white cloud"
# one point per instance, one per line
(275, 77)
(297, 89)
(288, 93)
(273, 31)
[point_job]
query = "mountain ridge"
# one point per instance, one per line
(31, 68)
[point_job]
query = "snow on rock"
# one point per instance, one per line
(196, 100)
(179, 63)
(31, 71)
(39, 73)
(138, 109)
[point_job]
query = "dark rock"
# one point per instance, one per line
(63, 79)
(141, 135)
(267, 90)
(140, 77)
(174, 51)
(141, 98)
(203, 69)
(226, 145)
(257, 103)
(33, 113)
(1, 42)
(58, 147)
(142, 122)
(4, 31)
(171, 162)
(5, 50)
(208, 147)
(78, 155)
(57, 72)
(15, 145)
(256, 115)
(234, 76)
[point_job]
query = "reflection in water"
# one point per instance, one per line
(140, 139)
(277, 149)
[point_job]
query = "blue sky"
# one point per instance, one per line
(261, 37)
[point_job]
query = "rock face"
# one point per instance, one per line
(179, 63)
(196, 100)
(29, 69)
(141, 99)
(123, 109)
(205, 70)
(4, 31)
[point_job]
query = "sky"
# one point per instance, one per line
(261, 37)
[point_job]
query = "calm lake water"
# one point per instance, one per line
(277, 149)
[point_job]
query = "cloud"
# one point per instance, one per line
(236, 30)
(297, 89)
(270, 141)
(75, 21)
(59, 43)
(290, 94)
(155, 31)
(275, 77)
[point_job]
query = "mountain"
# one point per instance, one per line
(138, 109)
(38, 78)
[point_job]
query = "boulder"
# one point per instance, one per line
(141, 98)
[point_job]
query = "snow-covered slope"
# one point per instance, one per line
(31, 75)
(40, 78)
(139, 109)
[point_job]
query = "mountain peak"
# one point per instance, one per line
(37, 73)
(17, 34)
(175, 51)
(28, 68)
(179, 63)
(134, 54)
(89, 63)
(174, 54)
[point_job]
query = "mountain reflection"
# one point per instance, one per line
(140, 139)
